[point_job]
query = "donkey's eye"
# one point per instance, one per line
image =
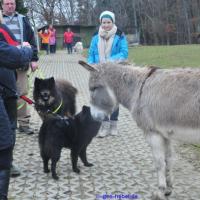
(92, 89)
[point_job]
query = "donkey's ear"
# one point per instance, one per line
(87, 66)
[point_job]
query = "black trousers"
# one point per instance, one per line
(6, 155)
(5, 164)
(11, 109)
(53, 48)
(46, 47)
(6, 158)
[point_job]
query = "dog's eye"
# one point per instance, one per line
(92, 89)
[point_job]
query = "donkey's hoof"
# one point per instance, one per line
(168, 191)
(158, 196)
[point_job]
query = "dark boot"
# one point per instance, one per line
(4, 183)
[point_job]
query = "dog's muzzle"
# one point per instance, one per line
(97, 114)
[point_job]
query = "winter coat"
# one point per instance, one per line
(27, 34)
(52, 38)
(10, 58)
(8, 76)
(45, 37)
(119, 50)
(68, 37)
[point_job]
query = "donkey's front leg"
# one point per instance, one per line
(157, 144)
(169, 164)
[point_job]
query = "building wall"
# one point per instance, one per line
(85, 33)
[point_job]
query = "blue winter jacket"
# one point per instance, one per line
(10, 57)
(119, 50)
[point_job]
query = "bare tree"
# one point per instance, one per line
(158, 21)
(43, 12)
(86, 12)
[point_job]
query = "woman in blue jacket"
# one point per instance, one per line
(11, 58)
(109, 44)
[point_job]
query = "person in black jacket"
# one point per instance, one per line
(11, 58)
(22, 30)
(20, 26)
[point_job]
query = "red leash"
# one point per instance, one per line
(25, 98)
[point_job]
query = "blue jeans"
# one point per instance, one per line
(46, 48)
(69, 48)
(113, 116)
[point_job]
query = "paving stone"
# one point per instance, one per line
(122, 164)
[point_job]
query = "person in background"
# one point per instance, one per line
(45, 35)
(22, 30)
(109, 44)
(52, 39)
(11, 57)
(68, 40)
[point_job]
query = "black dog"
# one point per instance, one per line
(54, 96)
(73, 133)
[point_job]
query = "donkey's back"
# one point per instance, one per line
(170, 104)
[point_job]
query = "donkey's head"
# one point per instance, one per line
(102, 98)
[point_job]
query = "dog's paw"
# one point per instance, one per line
(77, 170)
(55, 177)
(46, 170)
(89, 165)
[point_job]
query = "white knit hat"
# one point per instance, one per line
(107, 14)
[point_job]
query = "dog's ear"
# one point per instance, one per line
(51, 82)
(52, 79)
(37, 81)
(85, 109)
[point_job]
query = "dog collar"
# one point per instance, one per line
(58, 108)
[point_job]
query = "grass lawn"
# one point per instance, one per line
(166, 56)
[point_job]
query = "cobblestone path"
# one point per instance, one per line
(122, 165)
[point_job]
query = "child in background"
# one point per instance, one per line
(45, 35)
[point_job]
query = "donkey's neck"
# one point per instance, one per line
(125, 81)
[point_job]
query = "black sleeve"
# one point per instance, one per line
(30, 37)
(11, 57)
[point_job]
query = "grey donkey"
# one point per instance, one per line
(164, 103)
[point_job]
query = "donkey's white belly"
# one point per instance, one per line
(185, 134)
